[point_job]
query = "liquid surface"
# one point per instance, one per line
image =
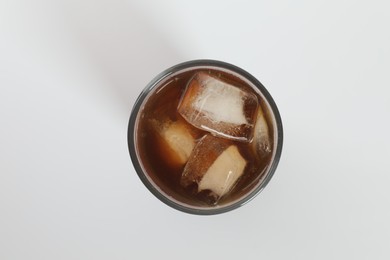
(162, 106)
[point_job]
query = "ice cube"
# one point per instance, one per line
(215, 165)
(261, 138)
(176, 141)
(224, 172)
(218, 107)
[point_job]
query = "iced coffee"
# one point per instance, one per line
(205, 137)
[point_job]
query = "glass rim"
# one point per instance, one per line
(132, 147)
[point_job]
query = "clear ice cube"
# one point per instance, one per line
(218, 107)
(215, 165)
(175, 141)
(261, 136)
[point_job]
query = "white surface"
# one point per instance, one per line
(70, 72)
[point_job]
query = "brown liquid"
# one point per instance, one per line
(162, 104)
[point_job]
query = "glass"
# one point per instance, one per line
(163, 95)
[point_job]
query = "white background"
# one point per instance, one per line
(70, 72)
